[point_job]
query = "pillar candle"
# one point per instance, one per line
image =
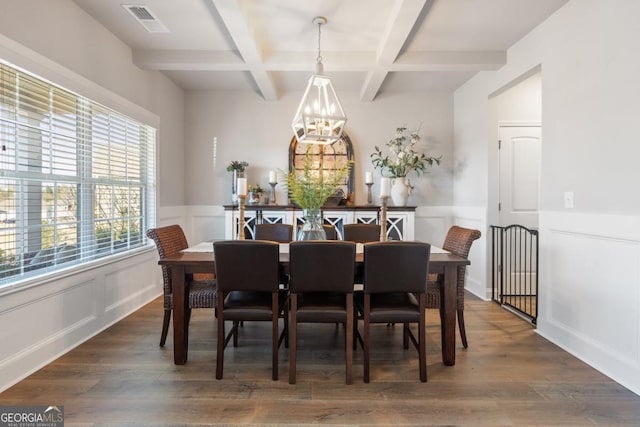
(368, 178)
(385, 187)
(273, 179)
(242, 186)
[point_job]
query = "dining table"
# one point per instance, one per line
(201, 259)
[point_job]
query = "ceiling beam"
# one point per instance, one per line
(234, 19)
(401, 21)
(199, 60)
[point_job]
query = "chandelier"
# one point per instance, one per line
(320, 118)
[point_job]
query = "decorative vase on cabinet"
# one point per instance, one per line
(400, 191)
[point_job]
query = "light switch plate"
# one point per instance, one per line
(568, 199)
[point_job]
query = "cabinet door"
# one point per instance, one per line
(338, 219)
(400, 225)
(367, 217)
(276, 217)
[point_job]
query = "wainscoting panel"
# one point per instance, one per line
(205, 223)
(477, 281)
(42, 320)
(590, 290)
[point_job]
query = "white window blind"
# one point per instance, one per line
(77, 179)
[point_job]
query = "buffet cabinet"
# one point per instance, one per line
(400, 220)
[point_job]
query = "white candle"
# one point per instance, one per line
(242, 186)
(385, 187)
(273, 179)
(368, 178)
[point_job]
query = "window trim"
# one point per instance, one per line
(97, 96)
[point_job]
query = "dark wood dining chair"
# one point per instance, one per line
(362, 233)
(394, 291)
(248, 274)
(281, 233)
(458, 241)
(170, 240)
(321, 291)
(330, 231)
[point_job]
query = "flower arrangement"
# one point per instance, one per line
(237, 166)
(404, 157)
(310, 190)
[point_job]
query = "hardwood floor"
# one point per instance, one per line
(508, 376)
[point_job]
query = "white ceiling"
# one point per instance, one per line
(368, 46)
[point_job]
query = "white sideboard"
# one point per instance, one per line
(400, 220)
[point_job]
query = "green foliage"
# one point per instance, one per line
(311, 189)
(237, 166)
(255, 189)
(404, 157)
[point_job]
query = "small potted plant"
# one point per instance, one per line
(238, 168)
(255, 194)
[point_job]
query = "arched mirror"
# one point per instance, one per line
(327, 158)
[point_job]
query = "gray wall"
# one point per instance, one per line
(249, 128)
(62, 32)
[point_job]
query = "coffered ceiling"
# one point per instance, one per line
(368, 46)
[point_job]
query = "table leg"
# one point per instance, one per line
(448, 322)
(180, 310)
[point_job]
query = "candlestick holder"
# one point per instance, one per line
(369, 197)
(241, 201)
(272, 199)
(383, 218)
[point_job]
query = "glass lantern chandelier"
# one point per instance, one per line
(320, 118)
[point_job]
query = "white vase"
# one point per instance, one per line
(400, 191)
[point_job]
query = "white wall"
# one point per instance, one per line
(58, 41)
(590, 279)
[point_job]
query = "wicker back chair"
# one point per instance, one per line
(458, 242)
(202, 288)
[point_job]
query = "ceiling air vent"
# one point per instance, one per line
(146, 18)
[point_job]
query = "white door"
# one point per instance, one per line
(519, 164)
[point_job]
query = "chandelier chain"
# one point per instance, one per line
(319, 57)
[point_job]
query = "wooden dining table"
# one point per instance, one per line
(184, 264)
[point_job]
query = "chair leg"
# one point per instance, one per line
(293, 329)
(463, 333)
(165, 326)
(235, 333)
(349, 340)
(221, 338)
(405, 336)
(422, 351)
(367, 307)
(275, 315)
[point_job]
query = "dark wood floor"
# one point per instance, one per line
(508, 376)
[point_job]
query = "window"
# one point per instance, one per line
(77, 180)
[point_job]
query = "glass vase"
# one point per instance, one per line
(234, 185)
(312, 228)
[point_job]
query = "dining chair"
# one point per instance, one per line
(330, 231)
(170, 240)
(281, 233)
(248, 274)
(362, 233)
(458, 241)
(321, 291)
(394, 291)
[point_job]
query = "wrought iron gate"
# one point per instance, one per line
(514, 269)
